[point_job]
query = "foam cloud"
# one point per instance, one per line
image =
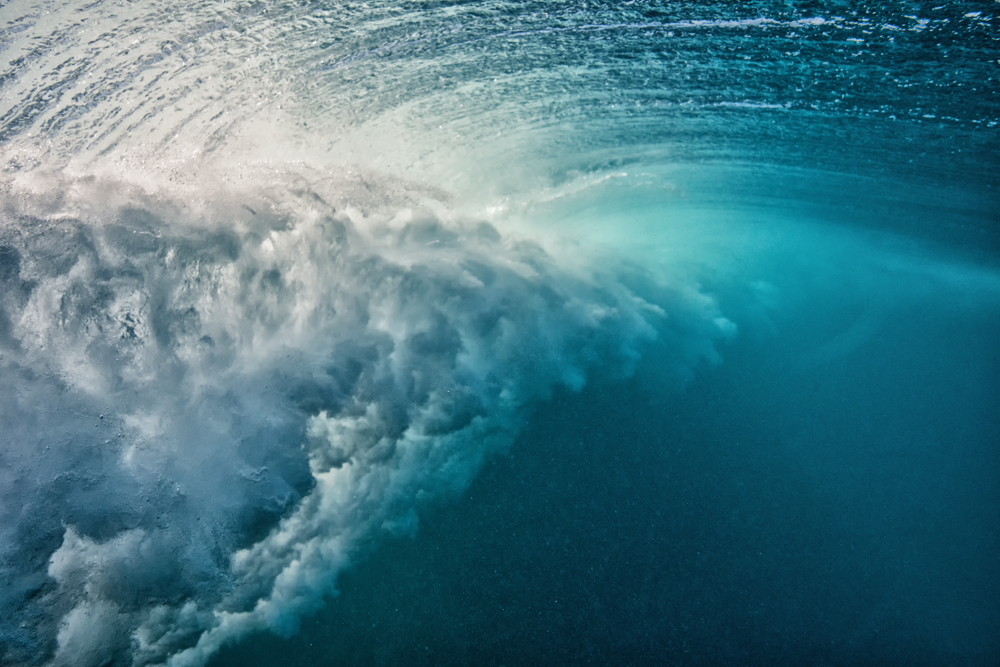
(213, 400)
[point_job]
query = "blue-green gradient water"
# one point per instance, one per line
(499, 333)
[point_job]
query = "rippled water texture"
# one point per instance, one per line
(499, 333)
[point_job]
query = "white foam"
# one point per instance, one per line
(243, 389)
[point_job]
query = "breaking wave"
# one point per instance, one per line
(276, 275)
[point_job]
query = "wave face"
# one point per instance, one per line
(280, 277)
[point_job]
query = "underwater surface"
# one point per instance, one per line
(499, 333)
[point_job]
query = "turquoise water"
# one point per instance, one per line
(499, 333)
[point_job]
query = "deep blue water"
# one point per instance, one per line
(499, 333)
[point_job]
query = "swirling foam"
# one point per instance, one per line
(216, 398)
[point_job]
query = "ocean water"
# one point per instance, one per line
(499, 333)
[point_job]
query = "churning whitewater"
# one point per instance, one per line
(277, 276)
(210, 403)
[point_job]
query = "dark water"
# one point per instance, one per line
(712, 530)
(499, 333)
